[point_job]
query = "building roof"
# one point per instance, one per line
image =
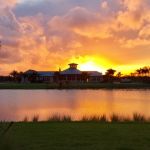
(71, 71)
(30, 71)
(72, 64)
(46, 73)
(94, 73)
(41, 73)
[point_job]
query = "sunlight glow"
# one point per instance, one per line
(92, 63)
(91, 66)
(95, 63)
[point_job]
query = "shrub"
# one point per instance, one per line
(115, 118)
(139, 118)
(35, 118)
(85, 118)
(126, 119)
(26, 119)
(66, 118)
(55, 118)
(94, 118)
(103, 118)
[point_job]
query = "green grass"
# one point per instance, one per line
(75, 86)
(27, 86)
(76, 136)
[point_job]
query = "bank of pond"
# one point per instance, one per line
(116, 85)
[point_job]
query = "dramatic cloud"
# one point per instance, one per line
(7, 3)
(47, 34)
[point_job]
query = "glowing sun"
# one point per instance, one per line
(91, 66)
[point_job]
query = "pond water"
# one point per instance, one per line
(16, 104)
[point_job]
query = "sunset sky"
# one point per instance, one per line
(97, 34)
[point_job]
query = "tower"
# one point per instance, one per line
(73, 66)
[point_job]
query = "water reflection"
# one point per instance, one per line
(16, 104)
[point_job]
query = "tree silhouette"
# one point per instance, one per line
(110, 72)
(109, 75)
(14, 74)
(139, 72)
(145, 71)
(118, 75)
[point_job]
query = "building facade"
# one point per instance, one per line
(72, 74)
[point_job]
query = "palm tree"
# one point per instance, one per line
(109, 75)
(119, 74)
(139, 72)
(110, 72)
(145, 71)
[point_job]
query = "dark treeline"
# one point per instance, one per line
(139, 75)
(111, 75)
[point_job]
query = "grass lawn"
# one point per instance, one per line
(76, 136)
(75, 86)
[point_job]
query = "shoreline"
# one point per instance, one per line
(46, 86)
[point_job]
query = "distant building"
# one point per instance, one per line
(72, 74)
(39, 76)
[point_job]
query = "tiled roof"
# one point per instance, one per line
(71, 71)
(72, 64)
(46, 73)
(94, 73)
(30, 71)
(41, 73)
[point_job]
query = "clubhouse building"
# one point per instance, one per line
(72, 74)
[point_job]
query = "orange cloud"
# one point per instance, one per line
(46, 42)
(8, 3)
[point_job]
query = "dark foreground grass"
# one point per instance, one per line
(76, 136)
(75, 86)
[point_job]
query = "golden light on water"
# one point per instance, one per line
(76, 103)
